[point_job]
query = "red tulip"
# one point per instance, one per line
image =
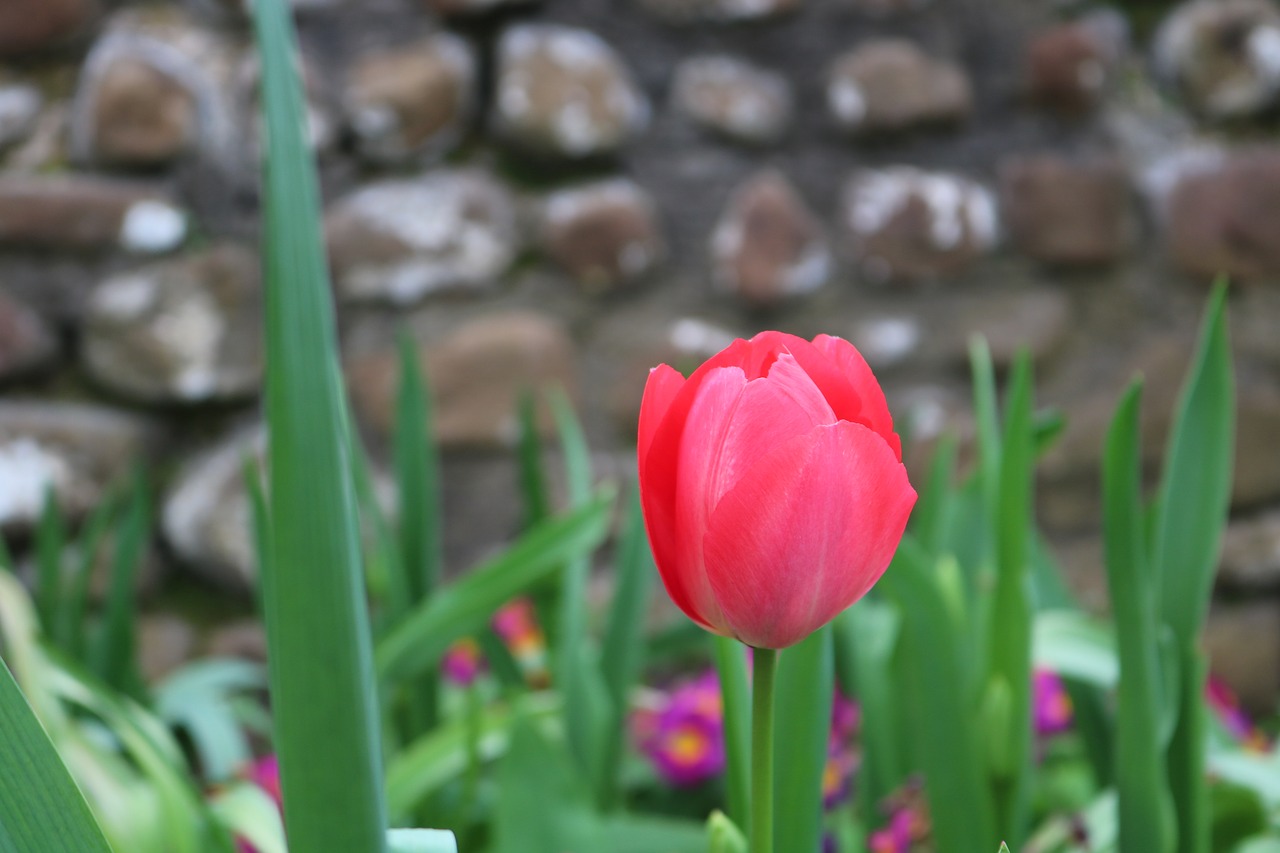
(773, 487)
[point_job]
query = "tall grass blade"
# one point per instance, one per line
(40, 806)
(115, 653)
(533, 479)
(322, 685)
(1145, 819)
(802, 721)
(51, 543)
(75, 606)
(986, 414)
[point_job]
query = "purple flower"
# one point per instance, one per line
(896, 837)
(684, 738)
(463, 662)
(1053, 712)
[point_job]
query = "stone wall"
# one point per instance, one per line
(575, 190)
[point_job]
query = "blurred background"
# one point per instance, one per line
(569, 192)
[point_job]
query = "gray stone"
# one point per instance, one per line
(87, 214)
(78, 451)
(768, 245)
(26, 341)
(880, 8)
(1222, 55)
(1242, 641)
(904, 223)
(1251, 552)
(246, 640)
(734, 98)
(30, 26)
(604, 234)
(206, 517)
(412, 103)
(155, 88)
(183, 331)
(468, 8)
(1067, 67)
(891, 85)
(564, 92)
(166, 641)
(323, 122)
(20, 107)
(1067, 214)
(719, 11)
(477, 373)
(398, 241)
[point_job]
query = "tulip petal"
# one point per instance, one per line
(659, 391)
(848, 384)
(805, 532)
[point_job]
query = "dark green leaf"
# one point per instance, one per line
(802, 721)
(114, 659)
(731, 668)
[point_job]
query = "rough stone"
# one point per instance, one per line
(20, 107)
(245, 640)
(87, 214)
(413, 102)
(187, 330)
(891, 85)
(719, 11)
(30, 26)
(1067, 214)
(477, 374)
(1242, 640)
(1251, 552)
(768, 245)
(154, 89)
(77, 450)
(1222, 55)
(467, 8)
(904, 223)
(165, 642)
(206, 517)
(26, 341)
(564, 92)
(398, 241)
(603, 234)
(1225, 218)
(881, 8)
(734, 98)
(1067, 67)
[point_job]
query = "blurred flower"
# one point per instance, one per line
(837, 775)
(265, 773)
(1052, 704)
(684, 736)
(894, 838)
(517, 624)
(1222, 699)
(845, 717)
(463, 662)
(908, 821)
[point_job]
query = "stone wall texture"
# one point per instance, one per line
(572, 191)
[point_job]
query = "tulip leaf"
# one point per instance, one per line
(1139, 765)
(465, 606)
(114, 659)
(40, 806)
(421, 841)
(544, 807)
(941, 711)
(622, 654)
(735, 692)
(802, 722)
(322, 687)
(988, 420)
(932, 513)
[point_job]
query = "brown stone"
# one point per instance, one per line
(1243, 643)
(719, 11)
(165, 642)
(891, 85)
(246, 640)
(603, 234)
(477, 374)
(26, 341)
(734, 98)
(1066, 69)
(1251, 552)
(144, 116)
(412, 101)
(79, 214)
(1226, 220)
(768, 245)
(28, 26)
(1067, 214)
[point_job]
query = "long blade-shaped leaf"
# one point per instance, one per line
(1195, 492)
(322, 684)
(464, 607)
(802, 720)
(735, 694)
(1139, 766)
(40, 806)
(418, 476)
(115, 661)
(51, 540)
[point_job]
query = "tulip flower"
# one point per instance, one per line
(774, 496)
(773, 486)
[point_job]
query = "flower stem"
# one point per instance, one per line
(764, 666)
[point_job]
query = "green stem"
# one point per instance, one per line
(764, 667)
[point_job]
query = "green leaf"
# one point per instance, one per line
(802, 722)
(40, 806)
(114, 659)
(1075, 646)
(622, 654)
(943, 723)
(588, 711)
(543, 806)
(731, 669)
(464, 607)
(988, 421)
(251, 814)
(533, 479)
(1139, 766)
(51, 540)
(75, 606)
(201, 699)
(322, 685)
(421, 841)
(723, 836)
(933, 511)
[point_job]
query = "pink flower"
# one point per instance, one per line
(684, 739)
(896, 837)
(463, 662)
(772, 483)
(516, 623)
(1051, 703)
(1237, 723)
